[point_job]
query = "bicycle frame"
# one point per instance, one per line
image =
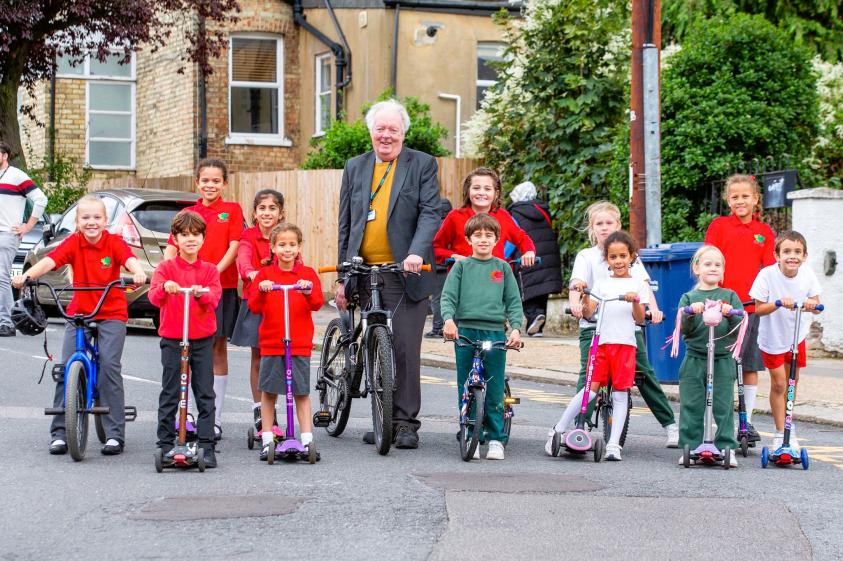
(88, 354)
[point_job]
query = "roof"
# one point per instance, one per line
(458, 6)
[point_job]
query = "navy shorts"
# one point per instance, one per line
(751, 358)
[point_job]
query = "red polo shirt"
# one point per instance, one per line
(95, 265)
(202, 310)
(252, 254)
(748, 248)
(223, 225)
(450, 238)
(271, 306)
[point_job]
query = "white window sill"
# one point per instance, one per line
(319, 134)
(109, 168)
(259, 141)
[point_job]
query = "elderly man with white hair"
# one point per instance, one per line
(389, 214)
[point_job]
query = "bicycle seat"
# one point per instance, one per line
(93, 326)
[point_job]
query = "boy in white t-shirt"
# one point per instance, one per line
(793, 285)
(625, 298)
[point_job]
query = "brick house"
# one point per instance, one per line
(272, 89)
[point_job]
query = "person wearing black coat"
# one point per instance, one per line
(542, 279)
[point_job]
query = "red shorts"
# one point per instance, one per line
(615, 362)
(774, 361)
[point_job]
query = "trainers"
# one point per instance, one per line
(265, 451)
(112, 447)
(495, 451)
(777, 441)
(58, 447)
(548, 446)
(210, 458)
(613, 452)
(476, 455)
(733, 459)
(217, 433)
(434, 334)
(256, 411)
(752, 434)
(794, 442)
(672, 436)
(539, 334)
(536, 324)
(406, 438)
(7, 331)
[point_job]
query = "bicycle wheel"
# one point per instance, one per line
(75, 417)
(98, 424)
(380, 371)
(334, 396)
(607, 418)
(471, 425)
(507, 409)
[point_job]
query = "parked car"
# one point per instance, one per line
(141, 216)
(27, 242)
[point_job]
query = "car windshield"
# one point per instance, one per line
(158, 215)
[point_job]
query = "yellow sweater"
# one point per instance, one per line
(375, 248)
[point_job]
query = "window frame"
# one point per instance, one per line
(133, 125)
(259, 139)
(318, 94)
(478, 83)
(86, 70)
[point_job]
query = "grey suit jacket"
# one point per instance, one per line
(413, 217)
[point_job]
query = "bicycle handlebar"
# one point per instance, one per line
(819, 308)
(362, 268)
(463, 341)
(122, 282)
(621, 298)
(538, 261)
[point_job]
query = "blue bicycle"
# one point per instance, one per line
(473, 398)
(81, 397)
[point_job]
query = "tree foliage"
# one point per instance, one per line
(558, 104)
(817, 24)
(738, 90)
(62, 181)
(34, 33)
(343, 140)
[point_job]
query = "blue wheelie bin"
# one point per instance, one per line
(669, 265)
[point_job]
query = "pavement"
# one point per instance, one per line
(555, 360)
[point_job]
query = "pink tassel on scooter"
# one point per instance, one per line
(738, 346)
(674, 338)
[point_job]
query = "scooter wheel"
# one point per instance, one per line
(803, 455)
(270, 455)
(727, 456)
(744, 446)
(250, 438)
(200, 459)
(686, 456)
(159, 460)
(599, 449)
(555, 444)
(765, 456)
(311, 454)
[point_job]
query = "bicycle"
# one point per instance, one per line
(351, 348)
(473, 398)
(79, 374)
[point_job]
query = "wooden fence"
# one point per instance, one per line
(311, 199)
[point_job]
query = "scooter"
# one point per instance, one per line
(185, 454)
(579, 440)
(744, 438)
(786, 455)
(707, 453)
(290, 448)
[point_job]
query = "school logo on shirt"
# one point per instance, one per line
(106, 262)
(496, 277)
(759, 239)
(223, 217)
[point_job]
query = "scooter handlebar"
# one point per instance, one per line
(819, 308)
(689, 311)
(288, 287)
(188, 290)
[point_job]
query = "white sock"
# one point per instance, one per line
(219, 391)
(306, 438)
(267, 437)
(749, 393)
(573, 410)
(620, 404)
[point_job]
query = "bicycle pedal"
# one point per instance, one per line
(54, 411)
(58, 373)
(131, 412)
(322, 419)
(512, 400)
(98, 410)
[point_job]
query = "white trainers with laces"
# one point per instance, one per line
(476, 455)
(733, 459)
(672, 436)
(548, 446)
(613, 453)
(495, 451)
(777, 441)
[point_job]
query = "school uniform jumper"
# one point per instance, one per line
(202, 325)
(480, 296)
(96, 265)
(692, 372)
(252, 254)
(450, 238)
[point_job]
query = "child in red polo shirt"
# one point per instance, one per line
(95, 257)
(187, 270)
(254, 253)
(285, 241)
(481, 191)
(224, 226)
(747, 245)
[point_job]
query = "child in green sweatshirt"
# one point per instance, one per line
(481, 295)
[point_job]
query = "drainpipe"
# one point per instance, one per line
(341, 83)
(456, 5)
(457, 123)
(202, 101)
(394, 84)
(52, 129)
(341, 59)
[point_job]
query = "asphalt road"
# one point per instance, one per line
(419, 504)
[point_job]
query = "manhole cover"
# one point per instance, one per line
(188, 508)
(508, 482)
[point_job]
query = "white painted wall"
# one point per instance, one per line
(818, 215)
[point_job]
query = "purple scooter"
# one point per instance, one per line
(707, 453)
(290, 448)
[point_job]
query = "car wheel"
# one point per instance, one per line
(156, 321)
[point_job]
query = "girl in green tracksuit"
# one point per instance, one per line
(708, 265)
